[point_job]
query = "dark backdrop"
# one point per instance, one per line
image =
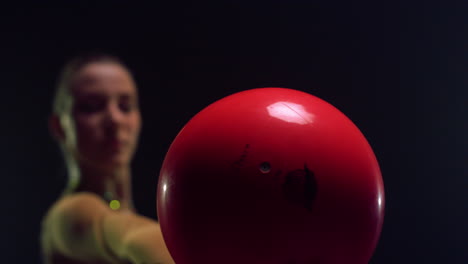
(397, 69)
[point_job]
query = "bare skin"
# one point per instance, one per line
(100, 133)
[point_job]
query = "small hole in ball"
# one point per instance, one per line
(265, 167)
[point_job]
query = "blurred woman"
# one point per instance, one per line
(96, 121)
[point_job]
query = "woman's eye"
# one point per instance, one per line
(88, 107)
(127, 106)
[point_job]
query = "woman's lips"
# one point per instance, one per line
(115, 145)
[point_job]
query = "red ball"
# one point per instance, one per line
(274, 176)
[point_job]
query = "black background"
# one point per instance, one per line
(397, 69)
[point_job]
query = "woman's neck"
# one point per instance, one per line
(114, 186)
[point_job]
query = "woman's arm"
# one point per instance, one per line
(81, 226)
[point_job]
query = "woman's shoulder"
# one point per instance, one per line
(76, 207)
(71, 214)
(78, 198)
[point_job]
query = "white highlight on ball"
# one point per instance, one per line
(290, 112)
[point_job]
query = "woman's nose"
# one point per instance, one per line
(113, 116)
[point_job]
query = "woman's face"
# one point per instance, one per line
(105, 115)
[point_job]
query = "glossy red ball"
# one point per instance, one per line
(274, 176)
